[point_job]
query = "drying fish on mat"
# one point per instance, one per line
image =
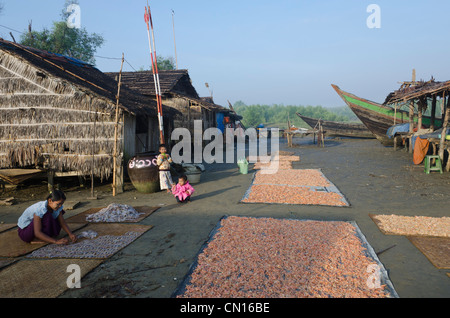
(274, 165)
(280, 194)
(101, 247)
(292, 186)
(412, 225)
(114, 213)
(295, 177)
(87, 234)
(249, 257)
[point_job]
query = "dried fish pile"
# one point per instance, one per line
(270, 258)
(114, 213)
(414, 225)
(101, 247)
(282, 194)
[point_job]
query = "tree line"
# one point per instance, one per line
(278, 115)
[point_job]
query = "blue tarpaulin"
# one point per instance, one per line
(435, 134)
(397, 129)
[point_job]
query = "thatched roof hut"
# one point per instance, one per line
(177, 92)
(414, 90)
(423, 93)
(58, 113)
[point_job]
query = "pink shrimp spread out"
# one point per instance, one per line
(293, 186)
(273, 258)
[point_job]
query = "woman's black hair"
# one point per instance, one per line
(56, 195)
(184, 177)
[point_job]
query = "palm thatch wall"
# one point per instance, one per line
(45, 122)
(60, 114)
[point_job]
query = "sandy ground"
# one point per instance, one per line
(373, 178)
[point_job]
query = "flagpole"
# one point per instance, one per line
(148, 18)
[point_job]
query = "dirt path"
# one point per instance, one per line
(374, 179)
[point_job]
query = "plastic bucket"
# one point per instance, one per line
(243, 167)
(194, 177)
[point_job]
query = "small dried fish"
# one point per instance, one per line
(101, 247)
(114, 213)
(88, 234)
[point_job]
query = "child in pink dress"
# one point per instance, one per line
(183, 190)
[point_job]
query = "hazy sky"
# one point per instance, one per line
(266, 52)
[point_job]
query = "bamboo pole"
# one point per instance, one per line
(116, 128)
(149, 22)
(174, 41)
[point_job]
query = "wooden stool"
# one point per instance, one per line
(436, 167)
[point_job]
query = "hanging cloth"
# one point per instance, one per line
(420, 150)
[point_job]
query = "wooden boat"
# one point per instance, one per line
(340, 129)
(377, 117)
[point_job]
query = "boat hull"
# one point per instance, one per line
(339, 129)
(376, 117)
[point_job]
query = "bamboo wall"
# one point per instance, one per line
(46, 122)
(189, 113)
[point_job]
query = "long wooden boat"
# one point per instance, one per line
(377, 117)
(340, 129)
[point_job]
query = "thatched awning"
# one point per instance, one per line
(416, 90)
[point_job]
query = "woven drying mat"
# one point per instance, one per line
(292, 186)
(12, 246)
(114, 228)
(436, 249)
(110, 239)
(6, 261)
(293, 177)
(247, 257)
(412, 225)
(40, 278)
(6, 227)
(146, 210)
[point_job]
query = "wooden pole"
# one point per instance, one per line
(421, 107)
(395, 114)
(443, 134)
(411, 124)
(443, 106)
(116, 129)
(433, 112)
(93, 197)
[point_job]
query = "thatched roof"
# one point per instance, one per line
(84, 76)
(172, 82)
(414, 90)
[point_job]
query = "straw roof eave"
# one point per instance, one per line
(418, 91)
(86, 79)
